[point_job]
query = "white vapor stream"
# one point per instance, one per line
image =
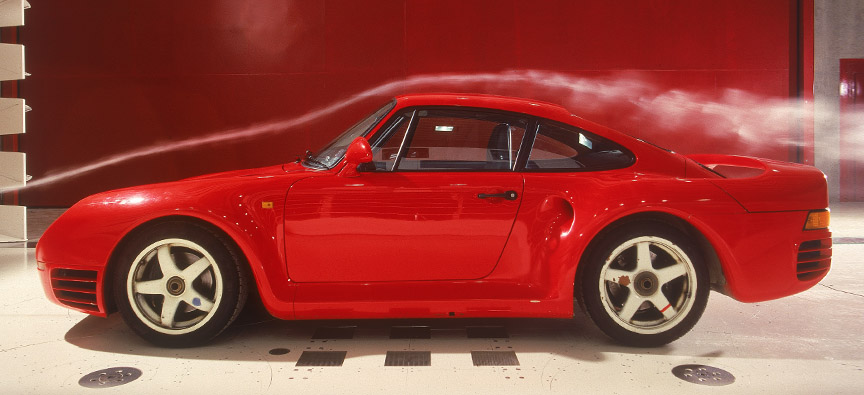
(746, 117)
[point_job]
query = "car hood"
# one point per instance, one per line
(256, 172)
(194, 188)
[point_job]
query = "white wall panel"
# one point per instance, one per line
(12, 170)
(13, 226)
(12, 12)
(11, 62)
(12, 116)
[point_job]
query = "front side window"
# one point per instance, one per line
(564, 147)
(451, 139)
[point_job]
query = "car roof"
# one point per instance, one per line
(532, 107)
(515, 104)
(657, 158)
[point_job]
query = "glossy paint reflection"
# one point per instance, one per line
(397, 227)
(425, 244)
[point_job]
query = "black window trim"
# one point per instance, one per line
(550, 122)
(409, 135)
(526, 146)
(385, 132)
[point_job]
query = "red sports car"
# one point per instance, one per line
(449, 205)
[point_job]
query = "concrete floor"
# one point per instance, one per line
(809, 343)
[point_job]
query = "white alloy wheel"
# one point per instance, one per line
(648, 285)
(173, 286)
(645, 285)
(179, 284)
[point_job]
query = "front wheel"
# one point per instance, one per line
(646, 286)
(179, 284)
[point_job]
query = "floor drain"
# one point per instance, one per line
(279, 351)
(702, 374)
(111, 377)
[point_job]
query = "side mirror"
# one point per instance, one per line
(358, 152)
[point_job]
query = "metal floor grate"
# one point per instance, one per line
(322, 358)
(494, 358)
(408, 358)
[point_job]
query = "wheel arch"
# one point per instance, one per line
(709, 254)
(129, 237)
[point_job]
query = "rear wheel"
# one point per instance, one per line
(645, 286)
(179, 284)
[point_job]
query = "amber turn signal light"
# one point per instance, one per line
(818, 219)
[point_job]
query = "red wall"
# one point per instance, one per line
(109, 77)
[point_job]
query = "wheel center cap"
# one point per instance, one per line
(646, 284)
(176, 286)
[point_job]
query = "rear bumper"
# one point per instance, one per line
(768, 255)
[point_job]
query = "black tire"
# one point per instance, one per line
(642, 305)
(203, 291)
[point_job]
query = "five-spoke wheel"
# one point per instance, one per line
(182, 286)
(645, 286)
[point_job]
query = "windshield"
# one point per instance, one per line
(333, 152)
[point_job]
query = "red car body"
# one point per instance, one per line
(337, 243)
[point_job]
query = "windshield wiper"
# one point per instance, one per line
(309, 158)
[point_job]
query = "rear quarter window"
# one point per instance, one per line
(560, 147)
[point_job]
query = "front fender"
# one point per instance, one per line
(248, 212)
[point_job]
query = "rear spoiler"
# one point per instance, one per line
(762, 185)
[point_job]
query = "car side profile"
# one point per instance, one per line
(448, 206)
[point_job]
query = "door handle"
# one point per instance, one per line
(509, 195)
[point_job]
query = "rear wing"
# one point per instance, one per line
(762, 185)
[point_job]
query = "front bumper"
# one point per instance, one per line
(80, 289)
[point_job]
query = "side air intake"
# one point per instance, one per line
(814, 259)
(75, 288)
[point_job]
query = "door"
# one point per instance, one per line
(851, 119)
(397, 227)
(438, 204)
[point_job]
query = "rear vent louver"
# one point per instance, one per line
(814, 259)
(75, 288)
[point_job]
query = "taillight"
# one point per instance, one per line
(818, 219)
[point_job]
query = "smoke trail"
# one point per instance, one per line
(736, 116)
